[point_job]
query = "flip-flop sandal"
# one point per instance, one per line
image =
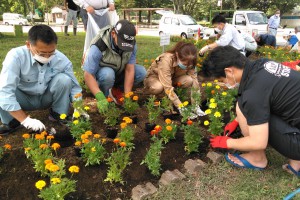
(245, 162)
(291, 170)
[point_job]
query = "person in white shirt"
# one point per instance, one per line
(229, 36)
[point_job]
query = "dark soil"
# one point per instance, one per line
(18, 176)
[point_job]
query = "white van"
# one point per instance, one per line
(14, 19)
(181, 25)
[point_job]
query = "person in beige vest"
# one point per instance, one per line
(174, 66)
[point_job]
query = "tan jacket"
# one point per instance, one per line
(165, 68)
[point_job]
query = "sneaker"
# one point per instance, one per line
(116, 94)
(11, 127)
(55, 117)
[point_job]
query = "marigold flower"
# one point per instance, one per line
(88, 133)
(206, 122)
(76, 114)
(74, 169)
(109, 99)
(53, 168)
(116, 140)
(169, 128)
(127, 95)
(135, 98)
(97, 136)
(75, 122)
(85, 141)
(209, 84)
(212, 105)
(156, 103)
(178, 84)
(212, 100)
(208, 111)
(63, 116)
(145, 60)
(121, 99)
(218, 87)
(103, 140)
(78, 95)
(158, 128)
(27, 149)
(39, 136)
(123, 144)
(217, 114)
(168, 121)
(50, 137)
(212, 92)
(203, 84)
(93, 149)
(84, 136)
(185, 103)
(7, 146)
(224, 93)
(48, 161)
(77, 143)
(44, 133)
(55, 146)
(40, 184)
(127, 120)
(180, 105)
(86, 108)
(189, 122)
(153, 132)
(55, 180)
(43, 146)
(123, 125)
(26, 135)
(216, 81)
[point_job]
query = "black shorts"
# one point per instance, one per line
(284, 138)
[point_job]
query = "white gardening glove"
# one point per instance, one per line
(199, 112)
(192, 115)
(203, 50)
(33, 124)
(82, 113)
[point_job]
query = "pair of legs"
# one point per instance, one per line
(106, 78)
(282, 137)
(56, 96)
(72, 16)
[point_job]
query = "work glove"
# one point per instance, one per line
(203, 50)
(82, 113)
(199, 112)
(33, 124)
(102, 102)
(191, 115)
(230, 127)
(219, 142)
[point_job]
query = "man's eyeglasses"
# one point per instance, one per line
(46, 55)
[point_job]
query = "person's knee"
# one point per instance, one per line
(186, 82)
(155, 88)
(107, 76)
(61, 81)
(140, 74)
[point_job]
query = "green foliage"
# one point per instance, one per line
(111, 114)
(153, 108)
(127, 135)
(166, 104)
(182, 93)
(192, 137)
(78, 127)
(130, 103)
(278, 54)
(152, 158)
(93, 152)
(168, 132)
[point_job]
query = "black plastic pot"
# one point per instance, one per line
(111, 132)
(149, 127)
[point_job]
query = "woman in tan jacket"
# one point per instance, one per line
(174, 66)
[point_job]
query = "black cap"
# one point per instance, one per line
(126, 35)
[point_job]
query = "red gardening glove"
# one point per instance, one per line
(219, 142)
(230, 127)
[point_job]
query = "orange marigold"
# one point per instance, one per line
(213, 92)
(88, 133)
(153, 132)
(84, 136)
(97, 135)
(135, 98)
(109, 99)
(85, 141)
(123, 125)
(48, 161)
(50, 137)
(121, 99)
(43, 146)
(189, 122)
(77, 95)
(39, 136)
(7, 146)
(26, 135)
(123, 144)
(77, 143)
(55, 146)
(44, 133)
(178, 84)
(158, 128)
(169, 128)
(168, 121)
(116, 140)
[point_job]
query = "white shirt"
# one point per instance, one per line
(230, 36)
(96, 4)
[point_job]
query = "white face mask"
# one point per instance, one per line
(217, 30)
(42, 59)
(236, 85)
(277, 15)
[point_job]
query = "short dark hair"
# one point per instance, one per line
(218, 19)
(220, 58)
(43, 33)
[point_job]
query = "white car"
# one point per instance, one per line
(180, 25)
(14, 19)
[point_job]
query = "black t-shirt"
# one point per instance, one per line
(269, 88)
(72, 5)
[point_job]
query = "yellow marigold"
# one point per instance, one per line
(43, 146)
(203, 84)
(208, 111)
(123, 125)
(53, 168)
(123, 144)
(217, 114)
(75, 122)
(76, 114)
(27, 149)
(39, 136)
(180, 105)
(88, 133)
(55, 180)
(127, 120)
(206, 122)
(216, 81)
(74, 169)
(103, 140)
(169, 128)
(224, 93)
(218, 87)
(168, 121)
(40, 184)
(50, 137)
(212, 105)
(127, 95)
(97, 136)
(86, 108)
(55, 146)
(63, 116)
(212, 100)
(209, 84)
(85, 141)
(77, 143)
(78, 95)
(7, 146)
(135, 98)
(26, 135)
(93, 149)
(185, 103)
(48, 161)
(84, 136)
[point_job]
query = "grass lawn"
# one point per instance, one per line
(216, 181)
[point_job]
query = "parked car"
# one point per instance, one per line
(14, 19)
(180, 25)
